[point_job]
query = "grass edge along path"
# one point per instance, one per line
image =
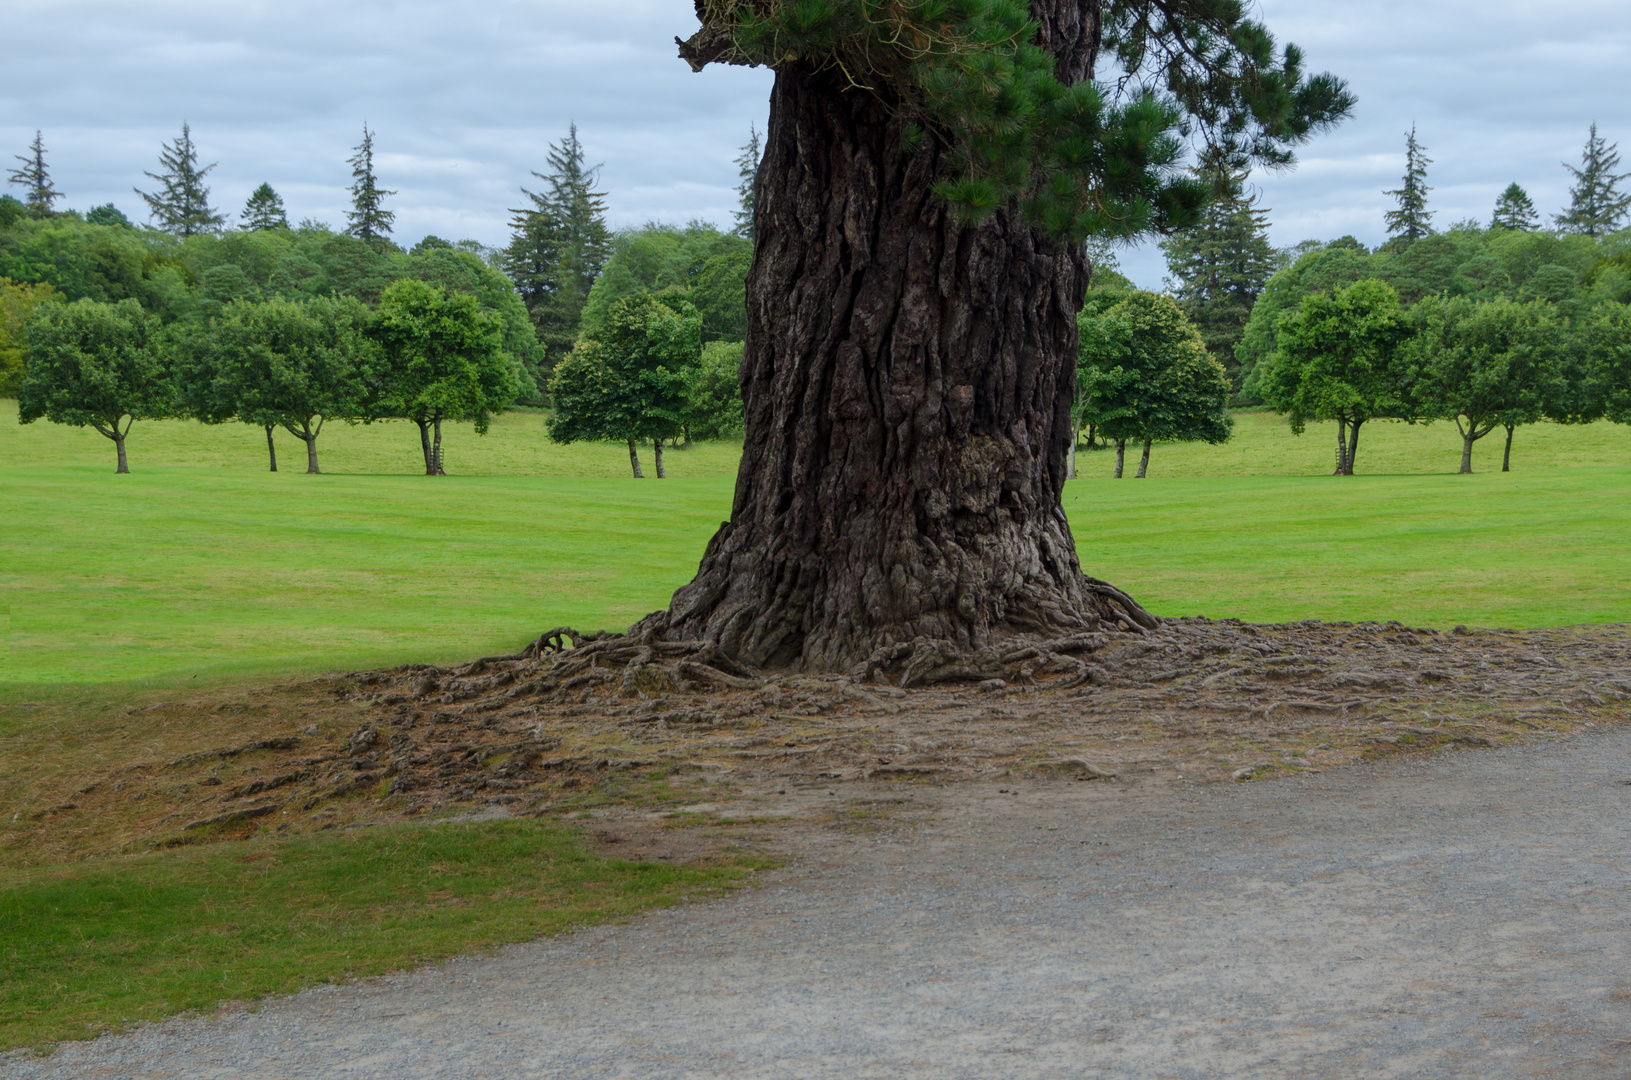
(102, 946)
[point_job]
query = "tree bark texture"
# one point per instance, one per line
(1342, 447)
(1144, 461)
(634, 461)
(436, 449)
(1121, 456)
(1353, 448)
(119, 444)
(1466, 452)
(424, 444)
(1506, 459)
(907, 384)
(657, 452)
(271, 448)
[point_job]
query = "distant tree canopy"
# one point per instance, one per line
(18, 301)
(1514, 210)
(698, 264)
(264, 210)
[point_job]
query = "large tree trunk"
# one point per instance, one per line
(271, 448)
(1144, 461)
(907, 385)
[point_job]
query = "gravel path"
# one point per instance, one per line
(1464, 915)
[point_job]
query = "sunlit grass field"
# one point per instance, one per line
(201, 564)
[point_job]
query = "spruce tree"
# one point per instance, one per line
(369, 219)
(558, 246)
(1596, 204)
(1412, 220)
(1220, 266)
(1514, 211)
(35, 179)
(747, 168)
(264, 211)
(182, 205)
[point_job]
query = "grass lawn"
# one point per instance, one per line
(98, 946)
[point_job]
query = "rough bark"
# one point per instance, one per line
(271, 448)
(1144, 461)
(907, 385)
(436, 449)
(1506, 459)
(1466, 451)
(657, 452)
(1121, 456)
(634, 461)
(1342, 447)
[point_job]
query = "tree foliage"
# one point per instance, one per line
(1412, 220)
(18, 301)
(35, 179)
(1514, 210)
(1148, 377)
(1079, 160)
(1596, 203)
(441, 358)
(95, 365)
(1221, 265)
(367, 220)
(264, 210)
(747, 170)
(697, 263)
(558, 246)
(182, 203)
(1336, 358)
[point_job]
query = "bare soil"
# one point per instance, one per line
(606, 729)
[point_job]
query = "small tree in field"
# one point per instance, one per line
(1154, 380)
(94, 365)
(1484, 365)
(292, 365)
(634, 383)
(442, 358)
(1336, 359)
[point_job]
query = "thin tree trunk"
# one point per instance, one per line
(1466, 450)
(1342, 447)
(1092, 432)
(424, 443)
(311, 455)
(1121, 456)
(657, 451)
(1353, 447)
(685, 436)
(1506, 459)
(1144, 462)
(436, 451)
(1075, 437)
(119, 444)
(634, 461)
(271, 447)
(907, 383)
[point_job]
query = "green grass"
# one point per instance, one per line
(95, 947)
(202, 565)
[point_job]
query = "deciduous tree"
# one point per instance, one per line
(1337, 358)
(442, 358)
(1484, 365)
(95, 365)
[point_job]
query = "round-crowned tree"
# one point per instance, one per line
(931, 171)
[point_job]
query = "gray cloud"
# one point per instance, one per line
(466, 98)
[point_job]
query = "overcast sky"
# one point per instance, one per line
(465, 99)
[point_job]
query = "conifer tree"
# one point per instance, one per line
(35, 179)
(1514, 211)
(264, 211)
(1412, 220)
(747, 168)
(182, 204)
(558, 246)
(369, 219)
(1596, 204)
(1221, 265)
